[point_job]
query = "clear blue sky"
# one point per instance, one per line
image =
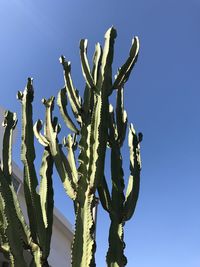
(162, 100)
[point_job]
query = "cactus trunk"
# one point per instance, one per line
(115, 255)
(83, 255)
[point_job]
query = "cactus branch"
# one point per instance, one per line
(125, 71)
(28, 157)
(72, 93)
(62, 164)
(121, 116)
(85, 65)
(62, 103)
(134, 179)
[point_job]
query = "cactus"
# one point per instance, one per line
(120, 206)
(89, 133)
(15, 235)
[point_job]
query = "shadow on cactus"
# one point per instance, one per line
(91, 132)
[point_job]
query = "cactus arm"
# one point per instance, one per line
(41, 138)
(26, 234)
(125, 71)
(96, 63)
(36, 261)
(11, 226)
(117, 181)
(107, 59)
(99, 124)
(134, 179)
(28, 157)
(46, 198)
(98, 141)
(83, 159)
(13, 217)
(69, 143)
(104, 195)
(62, 103)
(85, 65)
(10, 121)
(72, 93)
(88, 93)
(61, 163)
(4, 246)
(121, 116)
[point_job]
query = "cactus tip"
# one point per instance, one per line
(140, 137)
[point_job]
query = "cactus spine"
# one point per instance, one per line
(15, 235)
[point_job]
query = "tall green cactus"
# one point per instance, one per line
(15, 234)
(89, 134)
(118, 204)
(121, 206)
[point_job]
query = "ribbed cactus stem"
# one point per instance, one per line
(84, 246)
(96, 129)
(119, 205)
(115, 256)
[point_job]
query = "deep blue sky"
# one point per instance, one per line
(162, 100)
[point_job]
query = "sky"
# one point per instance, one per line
(161, 98)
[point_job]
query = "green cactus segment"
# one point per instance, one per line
(10, 226)
(83, 255)
(46, 198)
(28, 157)
(98, 141)
(61, 163)
(117, 173)
(10, 121)
(41, 138)
(96, 63)
(117, 182)
(134, 179)
(125, 71)
(107, 58)
(104, 195)
(83, 159)
(70, 144)
(89, 94)
(115, 255)
(72, 93)
(25, 231)
(62, 103)
(36, 261)
(85, 65)
(121, 116)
